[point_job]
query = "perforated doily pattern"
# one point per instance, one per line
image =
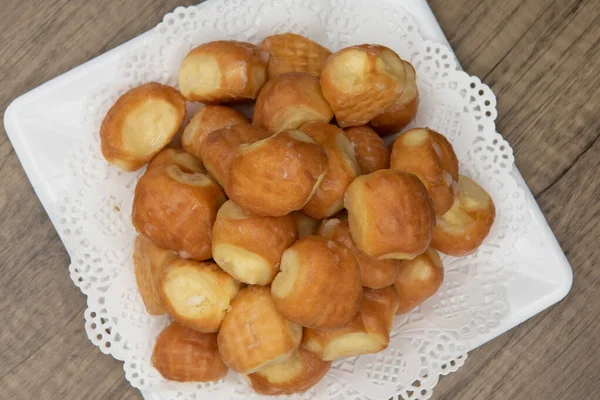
(430, 341)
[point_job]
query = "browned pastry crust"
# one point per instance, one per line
(254, 335)
(319, 284)
(176, 211)
(223, 71)
(374, 274)
(462, 229)
(429, 156)
(342, 168)
(171, 156)
(390, 214)
(140, 124)
(207, 119)
(277, 175)
(293, 53)
(418, 279)
(297, 374)
(185, 355)
(197, 294)
(361, 82)
(305, 225)
(219, 147)
(371, 152)
(369, 331)
(249, 247)
(290, 100)
(404, 111)
(148, 263)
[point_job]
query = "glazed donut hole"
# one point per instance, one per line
(254, 335)
(222, 72)
(148, 263)
(371, 152)
(298, 373)
(342, 168)
(186, 355)
(277, 175)
(293, 53)
(374, 274)
(361, 82)
(219, 147)
(418, 279)
(141, 123)
(390, 214)
(249, 247)
(205, 120)
(177, 210)
(290, 100)
(368, 333)
(308, 289)
(404, 110)
(462, 229)
(170, 156)
(429, 156)
(197, 294)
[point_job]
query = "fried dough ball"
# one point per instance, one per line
(290, 100)
(418, 279)
(170, 156)
(223, 71)
(361, 82)
(390, 214)
(297, 374)
(197, 294)
(368, 333)
(404, 110)
(249, 247)
(140, 124)
(371, 152)
(177, 210)
(462, 229)
(207, 119)
(293, 53)
(277, 175)
(254, 335)
(342, 168)
(374, 274)
(319, 284)
(429, 156)
(219, 147)
(148, 263)
(185, 355)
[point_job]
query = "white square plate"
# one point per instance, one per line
(46, 122)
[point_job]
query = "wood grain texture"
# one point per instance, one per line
(540, 57)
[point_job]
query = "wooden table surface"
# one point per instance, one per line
(541, 58)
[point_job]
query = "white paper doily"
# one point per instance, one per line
(431, 341)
